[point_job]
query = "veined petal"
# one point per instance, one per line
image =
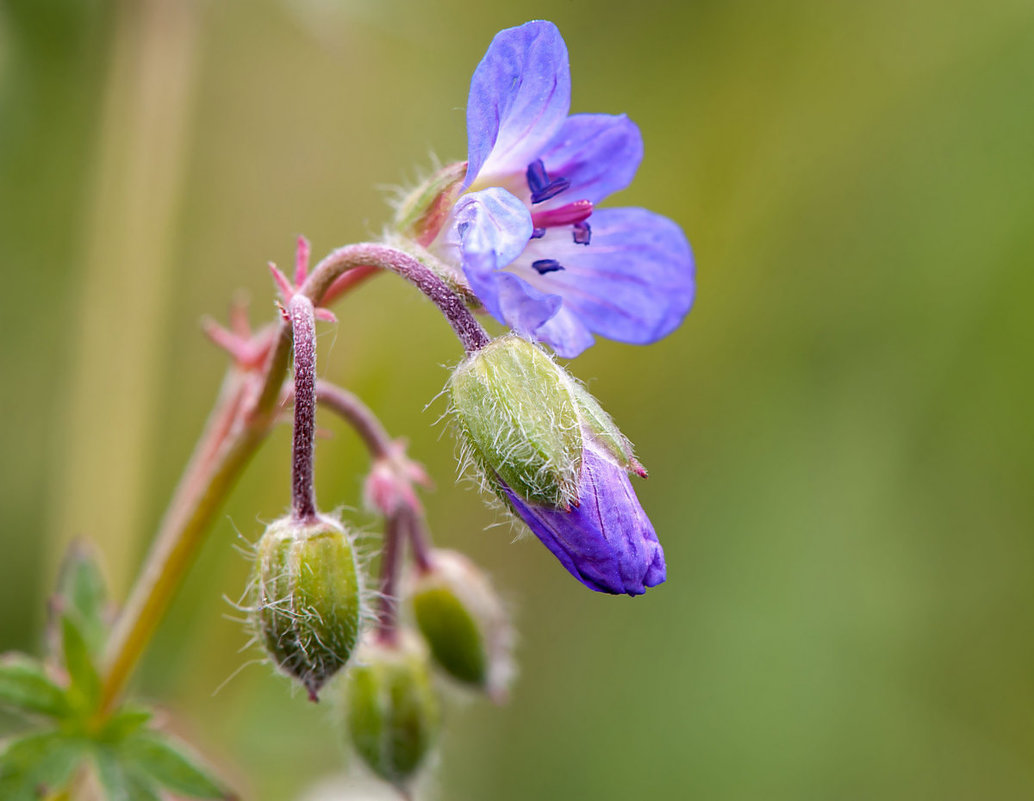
(597, 153)
(634, 282)
(521, 306)
(564, 333)
(491, 228)
(607, 542)
(519, 97)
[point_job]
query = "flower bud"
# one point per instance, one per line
(308, 598)
(598, 427)
(392, 711)
(464, 622)
(515, 406)
(423, 211)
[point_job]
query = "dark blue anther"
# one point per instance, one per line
(556, 186)
(538, 233)
(542, 188)
(543, 266)
(582, 233)
(462, 228)
(538, 179)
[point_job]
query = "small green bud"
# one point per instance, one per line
(516, 408)
(423, 211)
(464, 622)
(308, 593)
(392, 711)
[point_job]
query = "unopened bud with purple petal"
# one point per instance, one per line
(464, 622)
(559, 461)
(392, 712)
(308, 598)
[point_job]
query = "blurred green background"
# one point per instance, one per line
(840, 438)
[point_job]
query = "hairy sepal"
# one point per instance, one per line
(309, 607)
(516, 409)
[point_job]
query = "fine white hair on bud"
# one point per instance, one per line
(516, 410)
(308, 589)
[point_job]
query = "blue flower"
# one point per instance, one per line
(532, 244)
(606, 542)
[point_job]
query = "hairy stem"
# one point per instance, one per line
(358, 415)
(420, 539)
(380, 445)
(391, 565)
(467, 328)
(303, 493)
(235, 433)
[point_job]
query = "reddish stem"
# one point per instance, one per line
(347, 282)
(303, 324)
(358, 415)
(391, 564)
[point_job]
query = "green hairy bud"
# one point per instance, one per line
(423, 211)
(516, 408)
(391, 709)
(308, 599)
(598, 426)
(464, 622)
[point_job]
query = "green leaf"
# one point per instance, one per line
(124, 723)
(171, 766)
(36, 764)
(82, 594)
(112, 775)
(142, 788)
(25, 686)
(121, 782)
(85, 687)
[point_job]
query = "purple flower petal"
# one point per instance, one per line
(565, 333)
(491, 228)
(607, 542)
(633, 283)
(597, 153)
(519, 97)
(522, 307)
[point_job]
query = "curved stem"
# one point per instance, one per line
(420, 539)
(358, 415)
(230, 442)
(380, 445)
(303, 492)
(462, 320)
(347, 282)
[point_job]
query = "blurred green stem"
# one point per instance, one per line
(127, 273)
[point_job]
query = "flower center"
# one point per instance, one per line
(574, 214)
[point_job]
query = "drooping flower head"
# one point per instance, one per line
(527, 233)
(548, 449)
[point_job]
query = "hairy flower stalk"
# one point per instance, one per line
(245, 415)
(308, 587)
(390, 483)
(303, 491)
